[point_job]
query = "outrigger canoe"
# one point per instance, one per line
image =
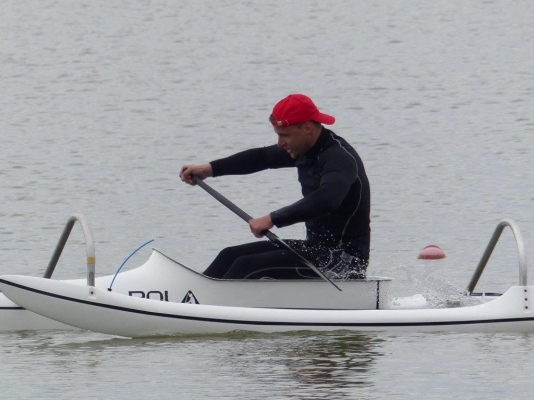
(163, 297)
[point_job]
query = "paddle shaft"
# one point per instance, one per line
(271, 236)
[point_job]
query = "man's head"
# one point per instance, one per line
(297, 122)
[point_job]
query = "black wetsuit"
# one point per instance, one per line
(335, 208)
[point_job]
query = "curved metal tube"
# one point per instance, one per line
(491, 246)
(89, 245)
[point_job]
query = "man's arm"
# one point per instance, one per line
(251, 161)
(337, 176)
(242, 163)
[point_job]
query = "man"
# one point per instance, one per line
(335, 206)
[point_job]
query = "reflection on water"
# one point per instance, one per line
(297, 365)
(305, 365)
(331, 364)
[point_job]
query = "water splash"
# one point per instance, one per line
(439, 291)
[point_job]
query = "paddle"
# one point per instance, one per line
(271, 236)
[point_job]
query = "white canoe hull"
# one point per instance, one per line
(99, 310)
(15, 318)
(166, 280)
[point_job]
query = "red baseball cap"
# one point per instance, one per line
(296, 109)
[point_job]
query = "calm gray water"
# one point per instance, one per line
(102, 102)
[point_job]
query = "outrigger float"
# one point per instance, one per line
(163, 297)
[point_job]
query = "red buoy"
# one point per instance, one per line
(431, 252)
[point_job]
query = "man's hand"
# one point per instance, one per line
(203, 171)
(258, 226)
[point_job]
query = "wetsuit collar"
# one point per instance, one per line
(316, 148)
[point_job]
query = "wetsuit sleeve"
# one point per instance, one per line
(337, 174)
(253, 160)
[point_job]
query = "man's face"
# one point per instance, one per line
(295, 139)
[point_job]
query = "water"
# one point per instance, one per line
(246, 366)
(102, 102)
